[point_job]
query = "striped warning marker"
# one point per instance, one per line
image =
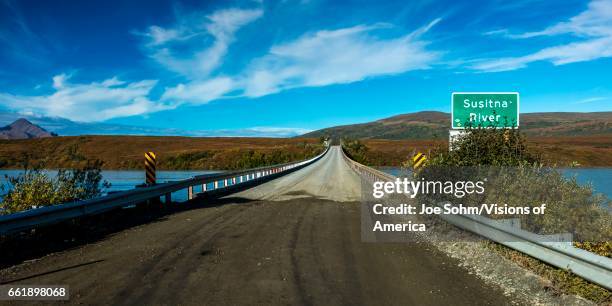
(150, 168)
(418, 160)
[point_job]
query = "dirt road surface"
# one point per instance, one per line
(291, 241)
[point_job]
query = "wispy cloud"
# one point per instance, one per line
(320, 58)
(95, 101)
(337, 56)
(196, 46)
(17, 40)
(199, 92)
(207, 38)
(593, 27)
(591, 100)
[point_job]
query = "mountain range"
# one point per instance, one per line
(435, 125)
(66, 127)
(419, 125)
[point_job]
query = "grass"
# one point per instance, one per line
(561, 281)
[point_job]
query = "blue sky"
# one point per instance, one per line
(284, 67)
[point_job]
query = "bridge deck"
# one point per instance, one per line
(329, 179)
(300, 245)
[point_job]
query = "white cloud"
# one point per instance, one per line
(159, 36)
(208, 38)
(263, 132)
(335, 57)
(591, 100)
(199, 92)
(58, 80)
(319, 58)
(596, 21)
(593, 26)
(558, 55)
(95, 101)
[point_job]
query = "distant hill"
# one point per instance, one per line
(435, 125)
(23, 129)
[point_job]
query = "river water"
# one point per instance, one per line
(600, 178)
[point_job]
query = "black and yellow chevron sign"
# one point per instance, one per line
(418, 160)
(150, 168)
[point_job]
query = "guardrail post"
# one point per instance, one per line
(216, 185)
(204, 187)
(190, 192)
(150, 178)
(233, 180)
(168, 198)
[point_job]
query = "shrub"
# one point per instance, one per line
(34, 188)
(516, 177)
(486, 146)
(356, 150)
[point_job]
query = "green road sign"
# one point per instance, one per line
(486, 109)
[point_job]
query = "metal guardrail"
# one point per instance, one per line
(33, 218)
(590, 266)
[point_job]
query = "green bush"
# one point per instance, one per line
(570, 207)
(356, 150)
(34, 188)
(516, 177)
(486, 146)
